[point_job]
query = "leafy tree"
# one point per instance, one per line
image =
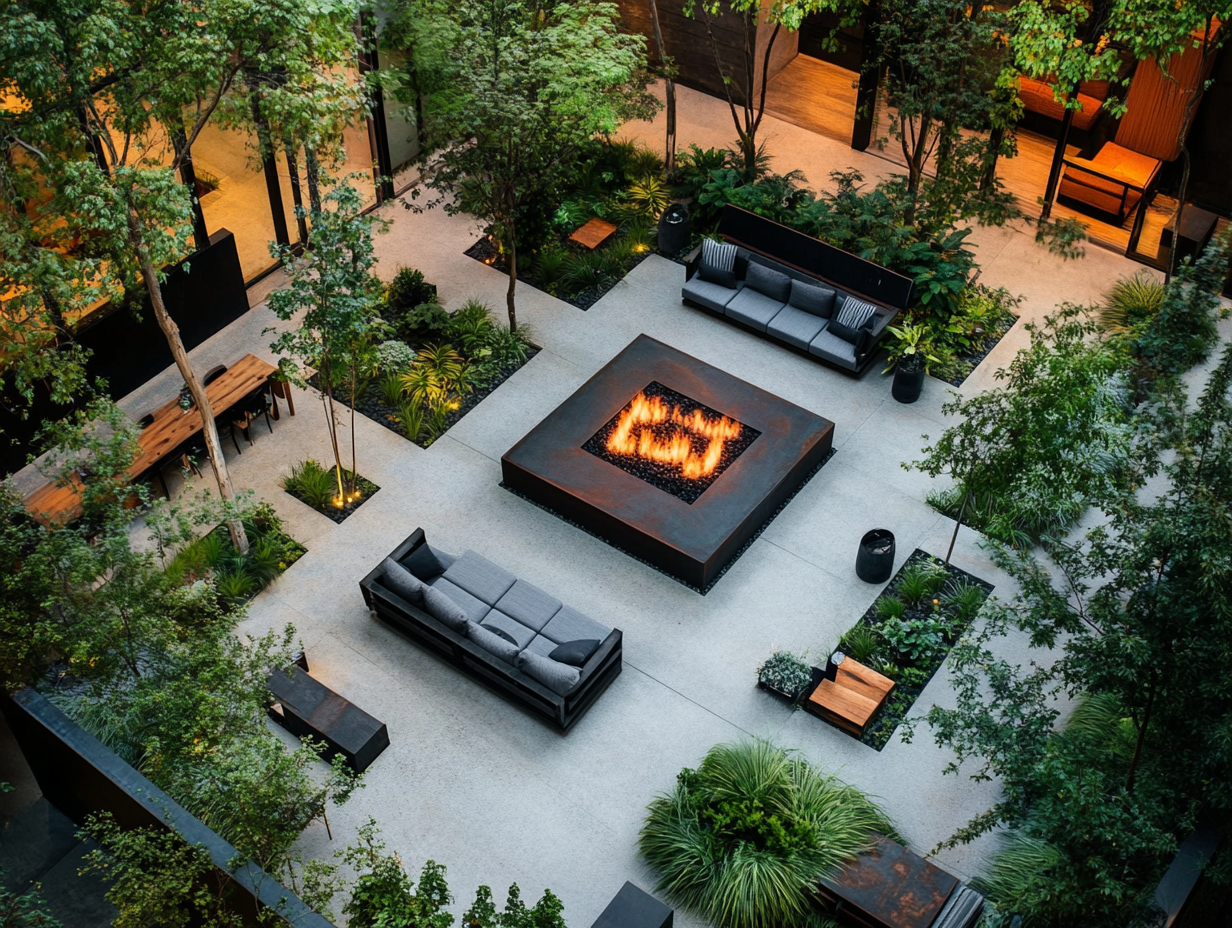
(667, 70)
(339, 297)
(1137, 611)
(529, 85)
(1028, 457)
(746, 104)
(25, 910)
(112, 97)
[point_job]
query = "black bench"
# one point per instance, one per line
(308, 708)
(632, 907)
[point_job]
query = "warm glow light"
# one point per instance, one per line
(338, 502)
(672, 441)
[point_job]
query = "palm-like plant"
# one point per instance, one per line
(911, 346)
(649, 195)
(743, 839)
(1130, 304)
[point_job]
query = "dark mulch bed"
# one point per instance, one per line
(903, 697)
(991, 340)
(485, 252)
(340, 514)
(370, 404)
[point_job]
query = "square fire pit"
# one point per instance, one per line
(670, 459)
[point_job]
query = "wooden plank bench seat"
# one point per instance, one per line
(852, 698)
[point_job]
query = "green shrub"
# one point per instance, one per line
(784, 671)
(312, 484)
(393, 357)
(742, 841)
(422, 322)
(411, 418)
(548, 264)
(861, 643)
(890, 607)
(407, 290)
(587, 269)
(915, 640)
(235, 585)
(1131, 304)
(964, 600)
(390, 388)
(919, 581)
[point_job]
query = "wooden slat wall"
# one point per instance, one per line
(688, 44)
(1155, 106)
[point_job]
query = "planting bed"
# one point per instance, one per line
(971, 359)
(952, 599)
(486, 253)
(321, 494)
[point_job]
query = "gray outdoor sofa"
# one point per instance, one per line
(796, 317)
(501, 630)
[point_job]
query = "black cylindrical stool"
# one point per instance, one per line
(875, 559)
(675, 230)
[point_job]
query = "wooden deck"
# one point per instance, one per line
(814, 95)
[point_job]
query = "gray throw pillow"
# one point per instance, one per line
(812, 298)
(444, 609)
(492, 643)
(426, 563)
(559, 678)
(718, 255)
(399, 580)
(859, 337)
(767, 280)
(575, 653)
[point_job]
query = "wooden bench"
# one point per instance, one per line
(852, 698)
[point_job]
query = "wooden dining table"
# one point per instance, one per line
(59, 502)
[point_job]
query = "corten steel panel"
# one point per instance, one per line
(892, 887)
(691, 542)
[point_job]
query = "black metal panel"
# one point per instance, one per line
(79, 776)
(812, 255)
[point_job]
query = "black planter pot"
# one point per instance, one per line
(675, 230)
(782, 694)
(875, 556)
(908, 383)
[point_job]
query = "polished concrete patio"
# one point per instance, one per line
(474, 783)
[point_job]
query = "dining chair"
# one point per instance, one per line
(226, 425)
(255, 404)
(213, 374)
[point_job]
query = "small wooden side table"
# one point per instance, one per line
(852, 698)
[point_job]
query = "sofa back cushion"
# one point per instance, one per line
(444, 610)
(492, 643)
(716, 275)
(401, 581)
(812, 298)
(559, 678)
(768, 281)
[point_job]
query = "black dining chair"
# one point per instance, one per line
(227, 427)
(255, 404)
(213, 374)
(146, 421)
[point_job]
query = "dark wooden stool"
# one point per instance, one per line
(633, 907)
(308, 708)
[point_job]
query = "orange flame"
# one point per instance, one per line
(672, 441)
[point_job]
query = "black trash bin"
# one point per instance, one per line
(875, 559)
(675, 230)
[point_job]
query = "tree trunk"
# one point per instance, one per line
(301, 221)
(1142, 730)
(327, 400)
(669, 89)
(354, 461)
(957, 525)
(312, 168)
(213, 446)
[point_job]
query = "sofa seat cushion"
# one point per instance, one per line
(704, 293)
(441, 607)
(474, 608)
(398, 579)
(752, 308)
(795, 326)
(480, 577)
(520, 634)
(1038, 97)
(528, 604)
(570, 625)
(834, 349)
(492, 643)
(813, 298)
(559, 678)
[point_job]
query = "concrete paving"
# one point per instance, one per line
(476, 784)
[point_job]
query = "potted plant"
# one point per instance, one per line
(785, 675)
(910, 355)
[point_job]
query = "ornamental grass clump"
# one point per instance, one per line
(742, 840)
